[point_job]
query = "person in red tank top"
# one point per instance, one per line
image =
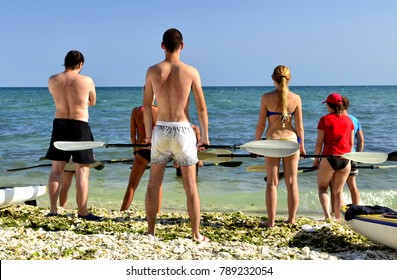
(335, 137)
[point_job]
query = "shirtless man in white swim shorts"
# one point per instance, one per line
(173, 137)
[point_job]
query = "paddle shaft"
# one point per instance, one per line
(271, 148)
(109, 145)
(225, 164)
(393, 157)
(234, 147)
(30, 167)
(239, 155)
(122, 160)
(310, 169)
(98, 166)
(357, 166)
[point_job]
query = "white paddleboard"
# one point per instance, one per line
(14, 195)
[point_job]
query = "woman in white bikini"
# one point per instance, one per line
(279, 107)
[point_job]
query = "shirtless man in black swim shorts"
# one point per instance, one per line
(73, 94)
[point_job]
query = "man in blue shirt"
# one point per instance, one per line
(359, 147)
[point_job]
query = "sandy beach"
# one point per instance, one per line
(26, 234)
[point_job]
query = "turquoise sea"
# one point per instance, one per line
(26, 123)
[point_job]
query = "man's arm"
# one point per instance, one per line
(92, 93)
(360, 140)
(201, 109)
(52, 84)
(148, 96)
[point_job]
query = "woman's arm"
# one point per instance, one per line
(133, 127)
(318, 147)
(299, 125)
(260, 127)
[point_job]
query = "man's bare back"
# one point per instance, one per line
(72, 94)
(172, 82)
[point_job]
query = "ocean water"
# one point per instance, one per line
(26, 123)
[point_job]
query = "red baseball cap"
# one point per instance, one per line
(334, 98)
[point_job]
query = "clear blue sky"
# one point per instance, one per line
(231, 42)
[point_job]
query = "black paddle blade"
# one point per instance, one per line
(392, 156)
(100, 167)
(231, 163)
(280, 176)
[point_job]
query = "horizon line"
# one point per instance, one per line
(232, 86)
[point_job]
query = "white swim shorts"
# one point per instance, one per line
(174, 140)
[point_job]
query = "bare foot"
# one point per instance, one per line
(202, 239)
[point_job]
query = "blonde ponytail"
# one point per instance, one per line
(281, 75)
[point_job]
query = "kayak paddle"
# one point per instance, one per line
(364, 157)
(85, 145)
(99, 165)
(69, 167)
(268, 148)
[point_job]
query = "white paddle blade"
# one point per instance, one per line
(77, 145)
(366, 157)
(272, 148)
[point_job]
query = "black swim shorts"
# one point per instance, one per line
(145, 153)
(70, 130)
